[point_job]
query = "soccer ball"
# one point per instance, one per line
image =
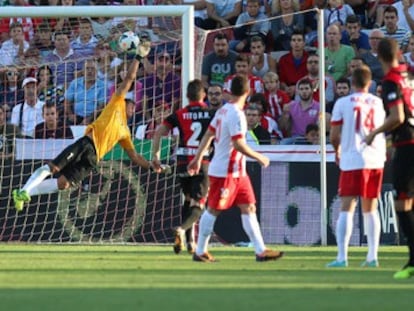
(128, 42)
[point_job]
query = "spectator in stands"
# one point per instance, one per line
(360, 9)
(28, 114)
(218, 64)
(132, 23)
(336, 13)
(256, 133)
(63, 60)
(52, 127)
(249, 24)
(375, 11)
(405, 9)
(242, 67)
(292, 66)
(275, 97)
(287, 24)
(311, 21)
(30, 61)
(159, 112)
(312, 65)
(409, 56)
(222, 14)
(215, 96)
(354, 37)
(47, 91)
(358, 62)
(371, 57)
(200, 11)
(101, 26)
(312, 134)
(8, 132)
(266, 121)
(10, 93)
(14, 47)
(164, 84)
(298, 114)
(265, 6)
(391, 29)
(260, 62)
(28, 23)
(107, 62)
(43, 39)
(343, 88)
(85, 96)
(67, 25)
(133, 118)
(86, 41)
(337, 55)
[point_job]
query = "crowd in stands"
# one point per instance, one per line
(56, 73)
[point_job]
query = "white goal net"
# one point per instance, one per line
(72, 53)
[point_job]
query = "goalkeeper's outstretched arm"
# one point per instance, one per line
(142, 51)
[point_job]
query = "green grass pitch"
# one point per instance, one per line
(120, 277)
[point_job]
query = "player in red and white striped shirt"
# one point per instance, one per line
(229, 183)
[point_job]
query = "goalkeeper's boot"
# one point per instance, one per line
(405, 273)
(337, 264)
(24, 195)
(18, 201)
(268, 255)
(206, 257)
(370, 264)
(179, 240)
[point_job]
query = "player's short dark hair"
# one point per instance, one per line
(195, 90)
(312, 127)
(388, 49)
(221, 36)
(305, 81)
(49, 104)
(390, 9)
(361, 77)
(239, 85)
(129, 101)
(352, 19)
(344, 81)
(260, 98)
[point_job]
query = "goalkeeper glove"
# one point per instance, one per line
(143, 49)
(165, 169)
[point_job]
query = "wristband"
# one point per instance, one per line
(138, 57)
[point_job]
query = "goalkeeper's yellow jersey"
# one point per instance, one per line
(111, 127)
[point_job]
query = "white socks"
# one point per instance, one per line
(252, 229)
(45, 187)
(205, 229)
(37, 177)
(344, 227)
(373, 230)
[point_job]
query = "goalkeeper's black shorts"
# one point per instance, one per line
(77, 160)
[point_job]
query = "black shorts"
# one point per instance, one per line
(403, 170)
(195, 187)
(76, 161)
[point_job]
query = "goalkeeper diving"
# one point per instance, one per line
(77, 160)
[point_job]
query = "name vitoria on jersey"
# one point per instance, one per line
(192, 122)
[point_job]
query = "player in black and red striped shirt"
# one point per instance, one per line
(192, 122)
